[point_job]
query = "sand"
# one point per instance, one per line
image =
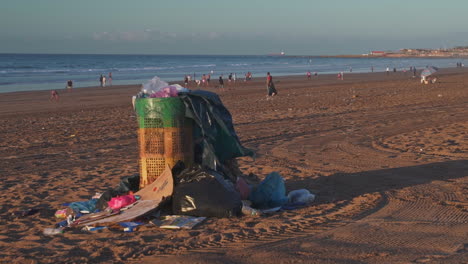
(386, 156)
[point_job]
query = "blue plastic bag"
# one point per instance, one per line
(270, 193)
(84, 206)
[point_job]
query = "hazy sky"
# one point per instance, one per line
(299, 27)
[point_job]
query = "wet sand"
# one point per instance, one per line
(386, 156)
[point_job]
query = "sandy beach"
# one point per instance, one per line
(386, 156)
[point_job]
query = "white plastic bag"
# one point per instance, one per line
(180, 88)
(300, 196)
(154, 85)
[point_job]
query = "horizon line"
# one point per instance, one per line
(156, 54)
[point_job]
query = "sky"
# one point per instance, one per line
(240, 27)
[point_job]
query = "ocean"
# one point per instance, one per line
(26, 72)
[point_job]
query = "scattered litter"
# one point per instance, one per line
(61, 214)
(156, 88)
(270, 210)
(121, 201)
(270, 193)
(52, 231)
(300, 196)
(203, 192)
(84, 207)
(138, 209)
(130, 226)
(243, 188)
(248, 210)
(211, 185)
(178, 222)
(96, 195)
(63, 223)
(93, 228)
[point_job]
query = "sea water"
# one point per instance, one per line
(25, 72)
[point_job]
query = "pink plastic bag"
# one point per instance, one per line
(243, 188)
(121, 201)
(168, 91)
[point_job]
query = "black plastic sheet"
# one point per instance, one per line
(214, 136)
(203, 192)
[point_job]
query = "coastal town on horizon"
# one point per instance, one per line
(459, 51)
(456, 52)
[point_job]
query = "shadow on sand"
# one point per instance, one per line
(349, 185)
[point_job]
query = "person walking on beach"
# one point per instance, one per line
(270, 85)
(249, 76)
(54, 96)
(221, 82)
(309, 75)
(203, 80)
(69, 85)
(388, 70)
(110, 78)
(101, 79)
(414, 72)
(186, 80)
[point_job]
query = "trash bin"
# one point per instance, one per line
(164, 136)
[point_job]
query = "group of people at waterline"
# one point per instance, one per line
(103, 80)
(205, 80)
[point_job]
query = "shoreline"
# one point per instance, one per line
(13, 103)
(443, 71)
(32, 73)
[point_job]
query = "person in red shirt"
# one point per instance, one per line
(270, 86)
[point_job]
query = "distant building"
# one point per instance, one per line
(377, 53)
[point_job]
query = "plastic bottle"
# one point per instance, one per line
(52, 231)
(247, 210)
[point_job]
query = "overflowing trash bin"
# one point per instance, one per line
(187, 166)
(164, 136)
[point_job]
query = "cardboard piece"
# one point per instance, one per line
(162, 187)
(137, 209)
(150, 198)
(85, 219)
